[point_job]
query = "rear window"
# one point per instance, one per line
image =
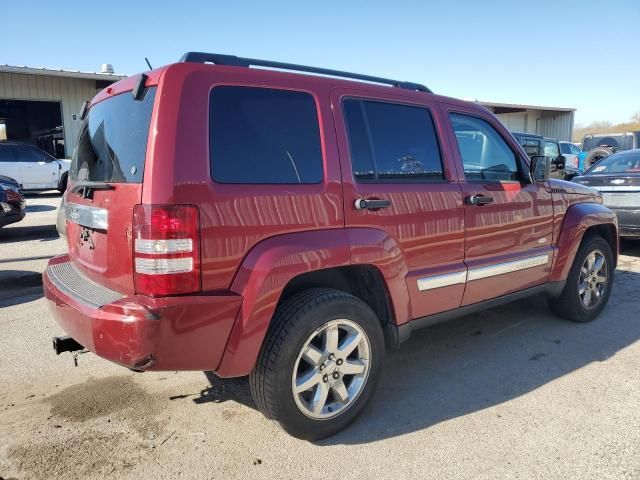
(113, 140)
(623, 162)
(264, 136)
(565, 148)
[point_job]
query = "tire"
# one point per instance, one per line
(63, 183)
(306, 319)
(595, 155)
(571, 302)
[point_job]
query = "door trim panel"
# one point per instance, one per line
(507, 267)
(439, 281)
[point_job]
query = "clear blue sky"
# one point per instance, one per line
(582, 54)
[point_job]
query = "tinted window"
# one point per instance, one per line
(391, 142)
(566, 148)
(551, 150)
(31, 154)
(485, 154)
(7, 154)
(113, 140)
(261, 135)
(532, 146)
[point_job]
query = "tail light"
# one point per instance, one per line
(166, 249)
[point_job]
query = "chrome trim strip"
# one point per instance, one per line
(507, 267)
(87, 216)
(439, 281)
(615, 188)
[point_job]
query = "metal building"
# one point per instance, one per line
(42, 106)
(554, 122)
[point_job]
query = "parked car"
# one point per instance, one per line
(12, 203)
(617, 177)
(288, 226)
(596, 146)
(570, 151)
(33, 168)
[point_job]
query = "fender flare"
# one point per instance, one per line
(273, 263)
(577, 220)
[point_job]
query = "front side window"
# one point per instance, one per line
(391, 142)
(531, 146)
(8, 154)
(264, 136)
(484, 153)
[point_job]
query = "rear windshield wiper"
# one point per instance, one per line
(86, 189)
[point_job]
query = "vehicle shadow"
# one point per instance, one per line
(479, 361)
(40, 208)
(18, 286)
(630, 247)
(43, 194)
(12, 234)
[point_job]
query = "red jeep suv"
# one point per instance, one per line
(289, 226)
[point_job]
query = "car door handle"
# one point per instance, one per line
(371, 204)
(479, 200)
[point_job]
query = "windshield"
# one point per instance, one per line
(113, 140)
(618, 141)
(623, 162)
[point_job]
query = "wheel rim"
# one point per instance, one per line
(331, 369)
(592, 284)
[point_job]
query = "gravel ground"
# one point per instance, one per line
(510, 393)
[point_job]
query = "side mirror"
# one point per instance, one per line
(560, 162)
(540, 168)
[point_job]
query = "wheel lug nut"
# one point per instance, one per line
(336, 374)
(339, 361)
(331, 356)
(325, 379)
(322, 367)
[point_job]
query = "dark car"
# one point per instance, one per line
(11, 201)
(617, 177)
(257, 222)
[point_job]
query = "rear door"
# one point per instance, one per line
(391, 151)
(105, 183)
(508, 219)
(39, 170)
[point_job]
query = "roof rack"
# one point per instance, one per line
(232, 60)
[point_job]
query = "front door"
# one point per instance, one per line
(394, 165)
(38, 169)
(509, 219)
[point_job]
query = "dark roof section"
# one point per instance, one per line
(232, 60)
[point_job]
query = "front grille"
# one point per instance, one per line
(70, 281)
(621, 199)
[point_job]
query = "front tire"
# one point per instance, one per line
(589, 283)
(319, 364)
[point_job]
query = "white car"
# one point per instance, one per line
(570, 152)
(33, 168)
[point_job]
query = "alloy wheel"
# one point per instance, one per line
(593, 279)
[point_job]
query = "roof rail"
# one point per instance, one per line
(232, 60)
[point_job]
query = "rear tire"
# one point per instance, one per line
(589, 283)
(63, 183)
(306, 346)
(595, 155)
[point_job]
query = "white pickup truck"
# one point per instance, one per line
(33, 168)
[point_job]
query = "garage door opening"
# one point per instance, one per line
(35, 122)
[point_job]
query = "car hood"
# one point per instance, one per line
(573, 188)
(619, 181)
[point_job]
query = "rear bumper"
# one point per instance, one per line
(628, 221)
(143, 333)
(11, 218)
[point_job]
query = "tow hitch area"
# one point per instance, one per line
(65, 344)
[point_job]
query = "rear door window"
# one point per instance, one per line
(264, 136)
(113, 139)
(8, 154)
(392, 142)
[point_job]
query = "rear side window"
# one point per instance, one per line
(33, 155)
(485, 155)
(565, 148)
(264, 136)
(391, 142)
(113, 140)
(8, 154)
(531, 146)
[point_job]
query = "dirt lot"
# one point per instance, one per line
(510, 393)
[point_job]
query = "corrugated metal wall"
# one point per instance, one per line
(556, 125)
(71, 92)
